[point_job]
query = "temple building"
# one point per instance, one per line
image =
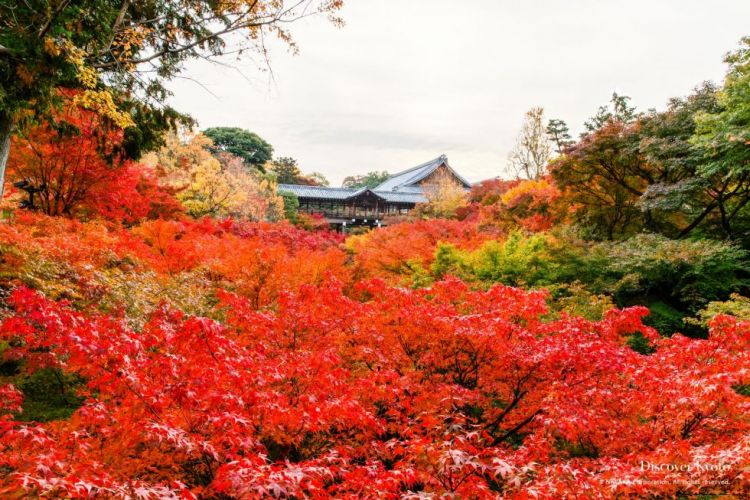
(399, 193)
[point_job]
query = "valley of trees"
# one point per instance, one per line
(171, 327)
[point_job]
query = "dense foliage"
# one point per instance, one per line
(370, 180)
(287, 171)
(243, 359)
(165, 333)
(374, 391)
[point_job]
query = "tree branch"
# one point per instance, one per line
(517, 428)
(48, 24)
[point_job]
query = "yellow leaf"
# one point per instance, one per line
(26, 76)
(51, 47)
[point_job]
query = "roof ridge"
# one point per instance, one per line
(459, 176)
(421, 165)
(403, 177)
(420, 175)
(440, 160)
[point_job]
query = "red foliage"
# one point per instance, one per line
(259, 259)
(385, 392)
(77, 164)
(293, 237)
(387, 252)
(489, 191)
(312, 222)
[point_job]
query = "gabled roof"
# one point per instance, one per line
(410, 177)
(402, 187)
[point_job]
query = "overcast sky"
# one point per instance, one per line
(407, 80)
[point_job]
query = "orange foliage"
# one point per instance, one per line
(256, 258)
(533, 205)
(239, 359)
(387, 252)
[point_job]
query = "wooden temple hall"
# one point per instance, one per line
(347, 207)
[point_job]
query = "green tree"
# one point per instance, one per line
(286, 169)
(370, 180)
(603, 176)
(673, 172)
(319, 179)
(641, 170)
(291, 205)
(678, 197)
(724, 140)
(559, 134)
(249, 146)
(618, 110)
(737, 305)
(518, 260)
(112, 48)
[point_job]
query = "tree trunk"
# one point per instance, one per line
(6, 126)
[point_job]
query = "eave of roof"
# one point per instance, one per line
(321, 192)
(344, 194)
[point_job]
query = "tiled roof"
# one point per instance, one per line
(322, 192)
(410, 189)
(409, 177)
(400, 197)
(402, 187)
(333, 193)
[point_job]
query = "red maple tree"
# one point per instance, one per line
(379, 392)
(74, 165)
